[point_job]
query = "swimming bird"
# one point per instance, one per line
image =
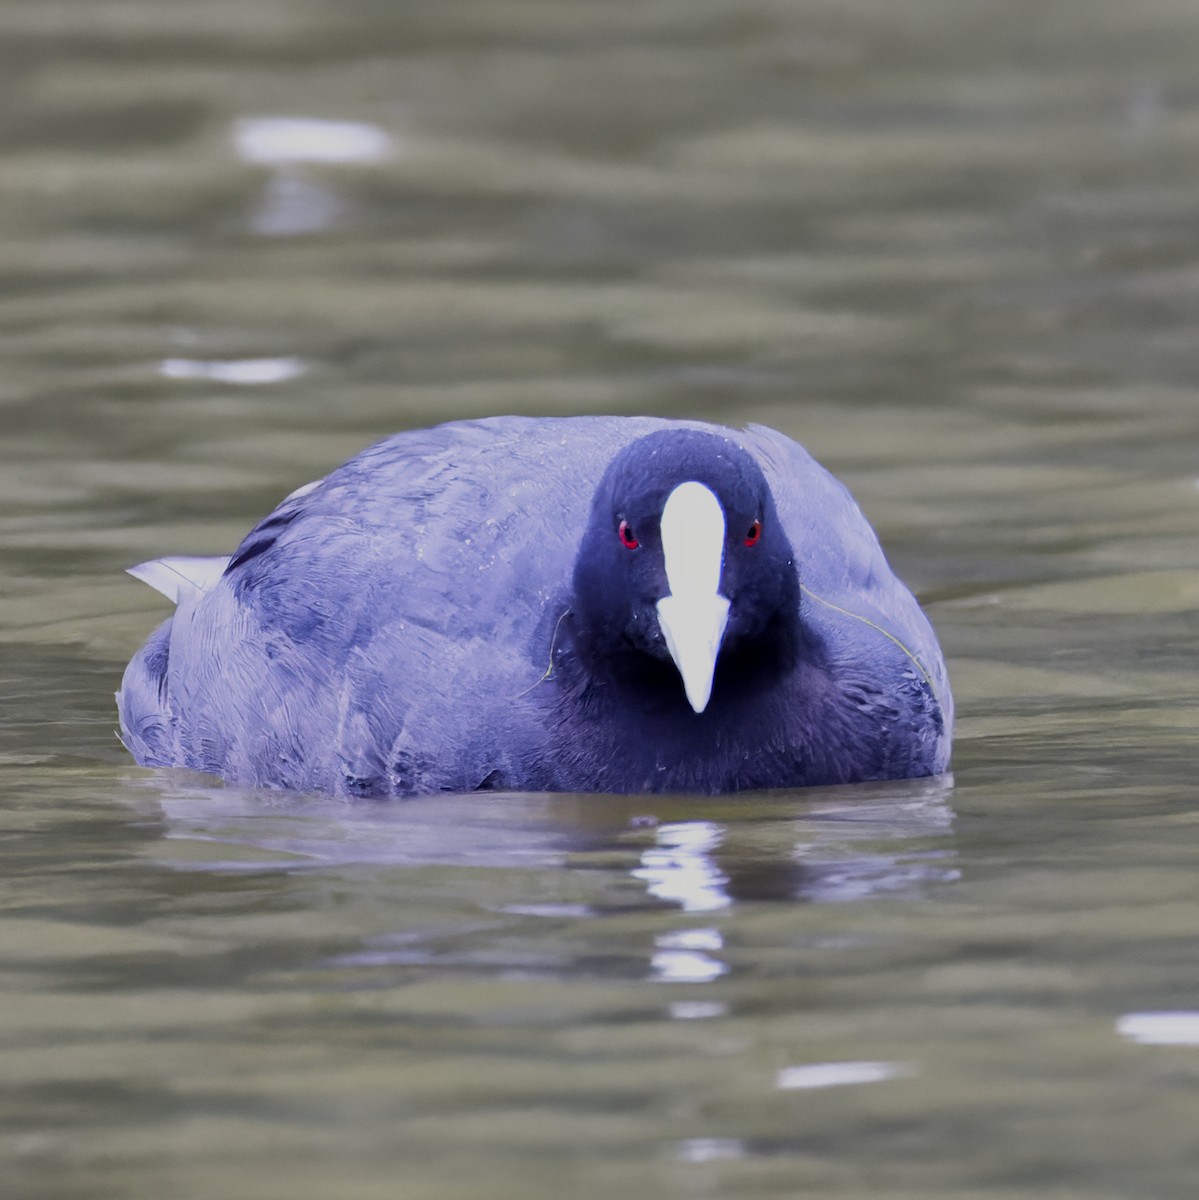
(588, 604)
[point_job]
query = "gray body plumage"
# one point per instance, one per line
(403, 626)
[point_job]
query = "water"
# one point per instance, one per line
(953, 250)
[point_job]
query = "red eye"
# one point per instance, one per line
(753, 533)
(626, 536)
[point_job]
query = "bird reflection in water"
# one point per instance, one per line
(853, 844)
(827, 846)
(849, 844)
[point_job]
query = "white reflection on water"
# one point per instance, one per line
(840, 1074)
(848, 844)
(849, 847)
(682, 956)
(551, 912)
(874, 875)
(855, 848)
(844, 846)
(706, 1150)
(697, 1010)
(1160, 1028)
(291, 204)
(278, 141)
(248, 372)
(680, 867)
(256, 831)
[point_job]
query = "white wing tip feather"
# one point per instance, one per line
(180, 577)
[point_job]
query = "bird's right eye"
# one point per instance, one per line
(627, 537)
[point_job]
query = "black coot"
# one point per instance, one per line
(586, 604)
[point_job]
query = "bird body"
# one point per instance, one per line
(460, 608)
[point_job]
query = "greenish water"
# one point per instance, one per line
(954, 249)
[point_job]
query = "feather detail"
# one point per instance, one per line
(180, 578)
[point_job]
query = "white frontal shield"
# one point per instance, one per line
(693, 616)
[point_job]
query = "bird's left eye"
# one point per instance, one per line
(753, 533)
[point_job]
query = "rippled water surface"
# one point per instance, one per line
(954, 249)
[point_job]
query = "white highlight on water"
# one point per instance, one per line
(840, 1074)
(711, 1150)
(686, 966)
(696, 1010)
(1160, 1028)
(278, 141)
(292, 205)
(706, 1150)
(247, 372)
(680, 867)
(681, 956)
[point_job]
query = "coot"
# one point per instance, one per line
(598, 604)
